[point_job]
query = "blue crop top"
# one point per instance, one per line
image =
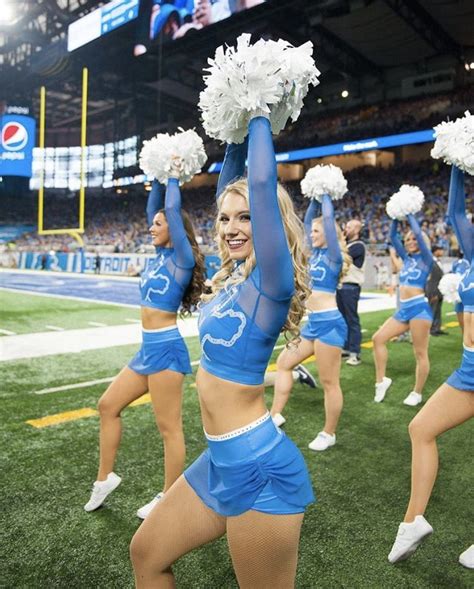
(165, 280)
(326, 262)
(464, 231)
(238, 328)
(416, 267)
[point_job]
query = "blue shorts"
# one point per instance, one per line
(259, 469)
(414, 308)
(161, 350)
(328, 327)
(463, 377)
(458, 308)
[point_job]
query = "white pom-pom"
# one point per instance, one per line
(180, 155)
(270, 77)
(327, 179)
(448, 286)
(408, 200)
(455, 143)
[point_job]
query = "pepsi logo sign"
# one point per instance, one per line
(14, 136)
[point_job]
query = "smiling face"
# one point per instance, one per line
(318, 238)
(234, 226)
(159, 231)
(411, 245)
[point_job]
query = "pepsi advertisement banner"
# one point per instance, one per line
(17, 140)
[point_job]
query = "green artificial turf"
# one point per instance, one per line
(362, 483)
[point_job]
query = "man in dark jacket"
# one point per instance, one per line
(435, 298)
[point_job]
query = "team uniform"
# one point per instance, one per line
(257, 466)
(162, 286)
(415, 271)
(460, 266)
(327, 326)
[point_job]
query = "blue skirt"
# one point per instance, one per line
(161, 350)
(260, 469)
(463, 377)
(458, 308)
(328, 327)
(414, 308)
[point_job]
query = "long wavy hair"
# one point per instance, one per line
(424, 235)
(192, 294)
(346, 258)
(295, 236)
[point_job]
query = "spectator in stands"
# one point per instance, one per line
(97, 263)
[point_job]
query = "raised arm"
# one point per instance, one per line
(334, 249)
(457, 213)
(182, 247)
(233, 166)
(155, 202)
(396, 241)
(424, 248)
(312, 212)
(269, 237)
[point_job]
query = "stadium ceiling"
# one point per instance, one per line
(354, 40)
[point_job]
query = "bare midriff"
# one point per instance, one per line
(227, 405)
(320, 300)
(468, 337)
(157, 319)
(408, 292)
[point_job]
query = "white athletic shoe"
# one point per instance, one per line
(145, 511)
(100, 490)
(413, 399)
(467, 557)
(278, 419)
(381, 389)
(409, 537)
(353, 360)
(322, 441)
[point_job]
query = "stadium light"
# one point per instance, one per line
(319, 100)
(471, 65)
(344, 93)
(6, 13)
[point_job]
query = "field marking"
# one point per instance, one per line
(451, 324)
(78, 385)
(133, 320)
(96, 324)
(54, 328)
(450, 313)
(146, 398)
(7, 332)
(62, 417)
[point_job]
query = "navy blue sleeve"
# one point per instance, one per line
(334, 249)
(156, 201)
(457, 213)
(233, 166)
(357, 253)
(395, 240)
(182, 247)
(312, 212)
(269, 238)
(424, 249)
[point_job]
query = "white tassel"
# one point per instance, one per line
(448, 286)
(180, 155)
(271, 77)
(408, 200)
(455, 143)
(324, 179)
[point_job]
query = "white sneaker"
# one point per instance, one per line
(145, 511)
(409, 537)
(381, 389)
(413, 399)
(101, 489)
(278, 419)
(467, 557)
(322, 441)
(353, 360)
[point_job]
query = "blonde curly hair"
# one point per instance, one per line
(346, 258)
(224, 278)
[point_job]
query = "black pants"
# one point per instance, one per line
(347, 298)
(436, 309)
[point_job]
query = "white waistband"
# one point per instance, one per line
(420, 296)
(237, 432)
(324, 310)
(468, 349)
(169, 328)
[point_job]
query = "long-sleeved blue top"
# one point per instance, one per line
(326, 262)
(464, 231)
(238, 328)
(166, 278)
(416, 267)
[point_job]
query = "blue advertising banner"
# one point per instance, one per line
(17, 139)
(349, 147)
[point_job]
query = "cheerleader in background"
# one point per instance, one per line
(326, 331)
(451, 405)
(460, 267)
(414, 313)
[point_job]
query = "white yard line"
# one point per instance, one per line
(133, 320)
(7, 332)
(54, 328)
(451, 313)
(96, 324)
(68, 297)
